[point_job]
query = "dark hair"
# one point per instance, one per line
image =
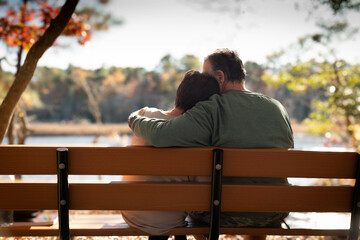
(195, 87)
(229, 63)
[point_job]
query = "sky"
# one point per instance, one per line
(154, 28)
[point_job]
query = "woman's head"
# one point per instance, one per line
(195, 87)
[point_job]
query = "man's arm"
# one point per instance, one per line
(192, 128)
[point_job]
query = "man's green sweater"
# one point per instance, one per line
(236, 119)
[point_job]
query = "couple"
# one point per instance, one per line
(232, 118)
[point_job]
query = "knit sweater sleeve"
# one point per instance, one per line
(193, 128)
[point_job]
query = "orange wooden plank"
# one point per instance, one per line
(289, 163)
(27, 160)
(186, 196)
(176, 161)
(279, 198)
(237, 162)
(128, 231)
(28, 231)
(28, 196)
(196, 197)
(139, 196)
(116, 222)
(140, 161)
(104, 229)
(286, 232)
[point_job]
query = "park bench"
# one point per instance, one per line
(214, 197)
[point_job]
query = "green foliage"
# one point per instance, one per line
(317, 126)
(254, 82)
(333, 83)
(189, 62)
(341, 6)
(336, 106)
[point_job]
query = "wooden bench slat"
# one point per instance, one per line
(205, 230)
(28, 231)
(139, 196)
(290, 232)
(196, 197)
(17, 160)
(289, 163)
(100, 160)
(28, 196)
(251, 163)
(113, 225)
(129, 231)
(134, 161)
(181, 196)
(286, 198)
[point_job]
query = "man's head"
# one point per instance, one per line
(226, 66)
(195, 87)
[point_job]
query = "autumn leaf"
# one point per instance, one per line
(19, 28)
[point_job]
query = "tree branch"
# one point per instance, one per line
(26, 72)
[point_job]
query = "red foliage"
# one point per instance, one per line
(25, 27)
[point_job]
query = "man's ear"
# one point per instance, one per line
(220, 76)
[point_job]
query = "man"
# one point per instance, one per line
(238, 118)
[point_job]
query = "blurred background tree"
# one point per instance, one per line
(117, 91)
(25, 23)
(332, 83)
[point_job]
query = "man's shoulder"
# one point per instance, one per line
(209, 103)
(255, 99)
(256, 96)
(265, 98)
(236, 96)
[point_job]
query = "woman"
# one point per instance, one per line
(194, 87)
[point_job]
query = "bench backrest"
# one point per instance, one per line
(180, 162)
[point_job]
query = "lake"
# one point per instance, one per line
(302, 141)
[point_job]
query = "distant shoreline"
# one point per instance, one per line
(41, 129)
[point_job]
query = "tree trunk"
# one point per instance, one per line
(11, 130)
(26, 72)
(13, 125)
(93, 105)
(23, 130)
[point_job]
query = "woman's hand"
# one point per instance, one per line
(142, 111)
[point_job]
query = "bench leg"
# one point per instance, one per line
(63, 193)
(216, 185)
(355, 212)
(180, 237)
(158, 237)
